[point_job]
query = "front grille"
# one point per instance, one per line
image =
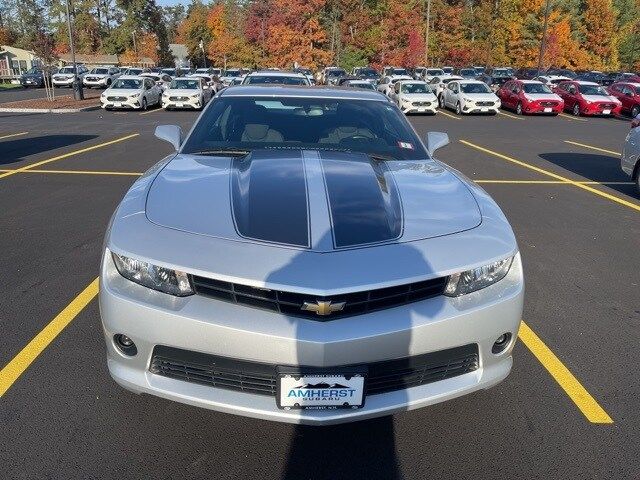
(117, 99)
(179, 99)
(291, 303)
(261, 378)
(548, 104)
(421, 104)
(607, 106)
(484, 104)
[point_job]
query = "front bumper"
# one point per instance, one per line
(409, 108)
(193, 103)
(57, 82)
(599, 109)
(219, 328)
(473, 108)
(31, 82)
(128, 104)
(538, 108)
(102, 83)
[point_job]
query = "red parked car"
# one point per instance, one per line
(629, 95)
(587, 98)
(529, 96)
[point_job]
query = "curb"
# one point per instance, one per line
(48, 110)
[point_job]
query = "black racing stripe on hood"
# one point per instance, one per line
(363, 199)
(269, 197)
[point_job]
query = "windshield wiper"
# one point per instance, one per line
(227, 152)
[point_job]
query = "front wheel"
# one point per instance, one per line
(519, 108)
(635, 111)
(458, 109)
(576, 110)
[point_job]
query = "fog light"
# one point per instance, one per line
(501, 343)
(125, 344)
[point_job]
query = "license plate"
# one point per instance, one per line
(320, 391)
(548, 110)
(606, 112)
(117, 104)
(179, 105)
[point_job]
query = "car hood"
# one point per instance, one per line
(481, 97)
(31, 75)
(181, 92)
(315, 200)
(533, 97)
(599, 98)
(122, 92)
(415, 97)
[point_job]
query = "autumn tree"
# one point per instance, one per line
(601, 37)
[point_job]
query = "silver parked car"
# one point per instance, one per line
(303, 258)
(630, 162)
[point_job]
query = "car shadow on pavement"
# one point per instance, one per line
(366, 448)
(19, 149)
(593, 167)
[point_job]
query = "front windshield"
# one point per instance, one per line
(66, 70)
(100, 71)
(435, 72)
(368, 72)
(336, 73)
(399, 71)
(415, 88)
(501, 72)
(304, 71)
(232, 73)
(134, 71)
(168, 71)
(185, 84)
(274, 80)
(536, 88)
(593, 90)
(475, 88)
(33, 70)
(247, 123)
(467, 72)
(127, 84)
(365, 85)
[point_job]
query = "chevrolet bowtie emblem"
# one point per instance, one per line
(323, 308)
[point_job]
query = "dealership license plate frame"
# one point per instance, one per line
(359, 372)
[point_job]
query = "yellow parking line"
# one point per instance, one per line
(561, 374)
(608, 196)
(66, 155)
(17, 366)
(593, 148)
(564, 115)
(550, 182)
(151, 111)
(13, 135)
(446, 114)
(510, 116)
(77, 172)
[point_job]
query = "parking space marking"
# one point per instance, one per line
(510, 116)
(76, 172)
(13, 135)
(569, 117)
(446, 114)
(66, 155)
(17, 366)
(589, 407)
(595, 191)
(549, 182)
(598, 149)
(152, 111)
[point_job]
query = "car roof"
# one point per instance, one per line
(302, 91)
(274, 73)
(131, 77)
(468, 81)
(584, 82)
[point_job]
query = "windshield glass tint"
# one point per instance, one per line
(336, 73)
(467, 72)
(248, 123)
(32, 70)
(399, 71)
(274, 80)
(535, 88)
(500, 72)
(100, 71)
(475, 88)
(435, 72)
(415, 88)
(368, 72)
(232, 73)
(365, 85)
(593, 90)
(127, 83)
(66, 70)
(185, 84)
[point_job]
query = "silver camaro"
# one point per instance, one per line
(303, 258)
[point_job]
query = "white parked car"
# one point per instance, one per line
(186, 92)
(161, 79)
(630, 161)
(100, 77)
(386, 83)
(272, 77)
(439, 83)
(394, 71)
(210, 80)
(131, 92)
(64, 77)
(418, 72)
(429, 73)
(469, 96)
(552, 80)
(364, 84)
(230, 75)
(414, 96)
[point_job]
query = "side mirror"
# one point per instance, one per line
(435, 140)
(170, 133)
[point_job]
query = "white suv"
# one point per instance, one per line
(64, 77)
(100, 77)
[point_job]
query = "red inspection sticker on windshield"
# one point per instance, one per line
(406, 145)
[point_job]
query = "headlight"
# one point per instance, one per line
(197, 95)
(148, 275)
(133, 97)
(477, 278)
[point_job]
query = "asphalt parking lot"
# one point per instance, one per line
(568, 410)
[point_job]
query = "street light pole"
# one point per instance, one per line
(543, 42)
(135, 47)
(426, 35)
(78, 94)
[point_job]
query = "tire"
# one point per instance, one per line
(144, 104)
(458, 109)
(519, 108)
(576, 110)
(635, 111)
